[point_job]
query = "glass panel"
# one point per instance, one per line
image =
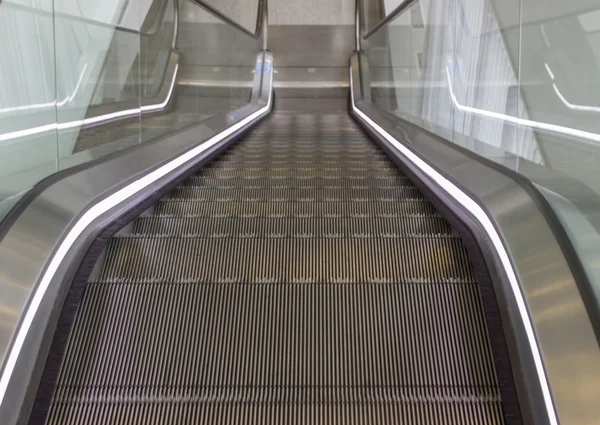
(157, 77)
(410, 60)
(560, 83)
(432, 62)
(560, 87)
(80, 79)
(213, 76)
(159, 72)
(28, 139)
(512, 80)
(97, 81)
(389, 53)
(483, 78)
(155, 48)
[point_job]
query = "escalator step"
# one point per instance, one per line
(337, 349)
(307, 194)
(352, 260)
(300, 279)
(317, 183)
(372, 208)
(239, 227)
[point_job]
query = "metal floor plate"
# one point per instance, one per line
(300, 278)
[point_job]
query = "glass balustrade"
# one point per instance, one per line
(514, 81)
(80, 80)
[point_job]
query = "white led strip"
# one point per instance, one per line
(586, 135)
(92, 120)
(477, 212)
(92, 214)
(47, 105)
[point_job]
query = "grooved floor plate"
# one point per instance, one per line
(300, 278)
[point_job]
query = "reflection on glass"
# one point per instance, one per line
(158, 73)
(28, 140)
(462, 79)
(243, 13)
(433, 53)
(103, 83)
(79, 81)
(374, 11)
(560, 82)
(511, 80)
(213, 77)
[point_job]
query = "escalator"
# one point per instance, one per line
(276, 223)
(299, 278)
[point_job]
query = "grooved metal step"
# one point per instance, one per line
(317, 183)
(353, 260)
(300, 278)
(322, 227)
(287, 193)
(373, 208)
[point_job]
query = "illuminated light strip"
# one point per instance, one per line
(28, 107)
(550, 73)
(49, 104)
(28, 132)
(91, 120)
(565, 101)
(520, 121)
(477, 212)
(573, 106)
(70, 98)
(92, 214)
(163, 103)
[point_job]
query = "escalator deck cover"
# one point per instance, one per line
(300, 278)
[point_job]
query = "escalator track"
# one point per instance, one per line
(300, 278)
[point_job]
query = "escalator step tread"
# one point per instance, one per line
(316, 183)
(287, 259)
(307, 194)
(301, 278)
(372, 208)
(289, 228)
(288, 336)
